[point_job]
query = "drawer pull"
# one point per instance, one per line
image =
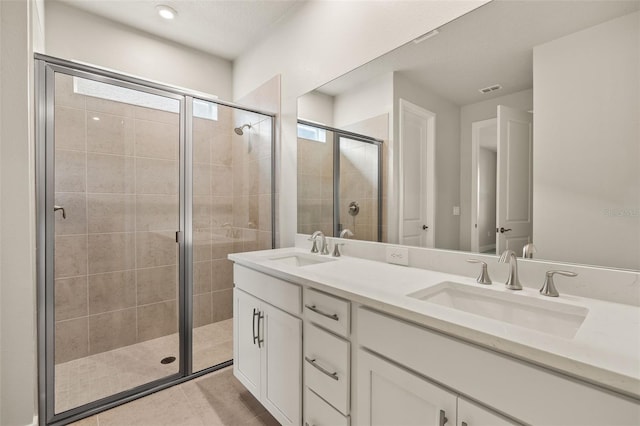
(324, 314)
(313, 362)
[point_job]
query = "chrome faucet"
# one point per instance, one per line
(528, 250)
(549, 288)
(323, 248)
(346, 233)
(513, 283)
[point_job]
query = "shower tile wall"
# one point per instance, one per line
(116, 256)
(315, 185)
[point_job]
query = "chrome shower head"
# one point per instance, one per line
(239, 131)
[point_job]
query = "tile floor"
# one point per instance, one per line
(216, 399)
(87, 379)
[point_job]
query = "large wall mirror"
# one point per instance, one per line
(516, 123)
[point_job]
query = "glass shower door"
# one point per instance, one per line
(113, 191)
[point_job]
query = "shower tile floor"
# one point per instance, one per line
(87, 379)
(216, 399)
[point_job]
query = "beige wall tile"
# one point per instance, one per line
(202, 134)
(109, 134)
(64, 92)
(156, 176)
(70, 128)
(111, 252)
(201, 179)
(221, 244)
(71, 340)
(71, 298)
(109, 107)
(202, 313)
(110, 173)
(70, 256)
(112, 291)
(221, 148)
(157, 115)
(156, 140)
(264, 212)
(222, 302)
(111, 213)
(75, 207)
(157, 248)
(202, 217)
(221, 211)
(112, 330)
(264, 175)
(222, 273)
(157, 320)
(157, 284)
(156, 212)
(201, 244)
(201, 277)
(70, 173)
(221, 181)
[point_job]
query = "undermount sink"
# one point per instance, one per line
(300, 259)
(550, 317)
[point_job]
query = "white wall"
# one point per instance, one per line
(308, 53)
(81, 36)
(17, 213)
(586, 154)
(317, 107)
(447, 153)
(368, 100)
(468, 114)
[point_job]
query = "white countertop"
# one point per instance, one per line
(605, 350)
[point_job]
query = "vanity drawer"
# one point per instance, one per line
(328, 311)
(318, 413)
(326, 366)
(277, 292)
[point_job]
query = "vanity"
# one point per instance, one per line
(321, 340)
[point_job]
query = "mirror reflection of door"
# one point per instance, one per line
(417, 171)
(501, 181)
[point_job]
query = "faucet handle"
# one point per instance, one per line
(484, 277)
(314, 247)
(549, 288)
(336, 249)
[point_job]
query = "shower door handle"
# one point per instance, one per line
(56, 208)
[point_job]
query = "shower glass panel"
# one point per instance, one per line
(116, 262)
(315, 182)
(358, 195)
(232, 212)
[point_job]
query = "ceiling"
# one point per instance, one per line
(224, 28)
(490, 45)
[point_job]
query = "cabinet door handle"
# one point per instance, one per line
(324, 314)
(443, 419)
(256, 313)
(313, 362)
(260, 318)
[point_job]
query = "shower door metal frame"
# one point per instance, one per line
(337, 134)
(45, 69)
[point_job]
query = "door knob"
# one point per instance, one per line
(425, 227)
(503, 230)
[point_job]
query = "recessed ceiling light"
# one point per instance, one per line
(166, 12)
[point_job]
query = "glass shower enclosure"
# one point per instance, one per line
(143, 191)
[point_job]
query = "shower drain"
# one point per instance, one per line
(167, 360)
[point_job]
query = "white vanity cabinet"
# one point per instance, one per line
(267, 347)
(520, 390)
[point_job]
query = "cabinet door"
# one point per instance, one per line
(470, 414)
(390, 395)
(246, 352)
(282, 365)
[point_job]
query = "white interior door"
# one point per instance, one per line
(417, 175)
(514, 204)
